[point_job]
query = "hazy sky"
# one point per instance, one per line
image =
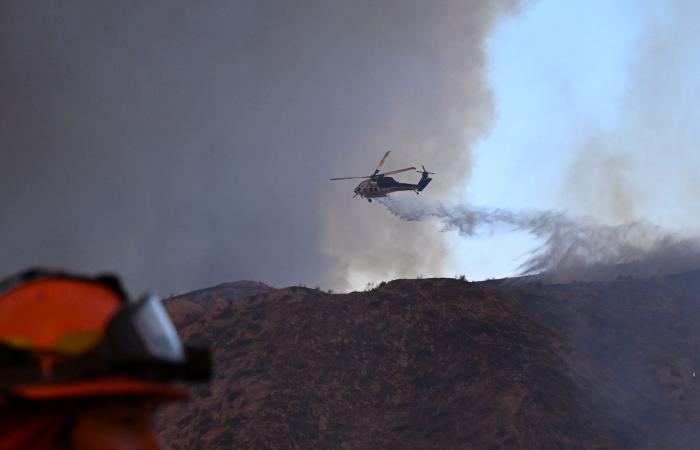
(184, 145)
(597, 113)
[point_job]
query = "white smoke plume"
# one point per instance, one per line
(571, 247)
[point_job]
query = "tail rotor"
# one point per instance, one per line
(425, 172)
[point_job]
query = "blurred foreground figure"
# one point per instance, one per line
(82, 366)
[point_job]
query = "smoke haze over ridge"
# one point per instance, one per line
(572, 248)
(185, 144)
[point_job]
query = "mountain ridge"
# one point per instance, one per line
(444, 363)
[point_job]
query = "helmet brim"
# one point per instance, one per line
(99, 387)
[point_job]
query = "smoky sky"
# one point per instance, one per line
(645, 165)
(183, 144)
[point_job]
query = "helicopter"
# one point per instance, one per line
(379, 184)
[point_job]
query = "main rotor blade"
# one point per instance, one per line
(381, 163)
(349, 178)
(397, 171)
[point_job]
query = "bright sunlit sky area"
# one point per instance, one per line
(555, 69)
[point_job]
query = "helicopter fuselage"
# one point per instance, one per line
(381, 186)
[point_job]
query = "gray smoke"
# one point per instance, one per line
(571, 248)
(183, 144)
(645, 166)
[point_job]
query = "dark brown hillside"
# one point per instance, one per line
(635, 352)
(442, 363)
(185, 308)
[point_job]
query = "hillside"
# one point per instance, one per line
(186, 308)
(442, 363)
